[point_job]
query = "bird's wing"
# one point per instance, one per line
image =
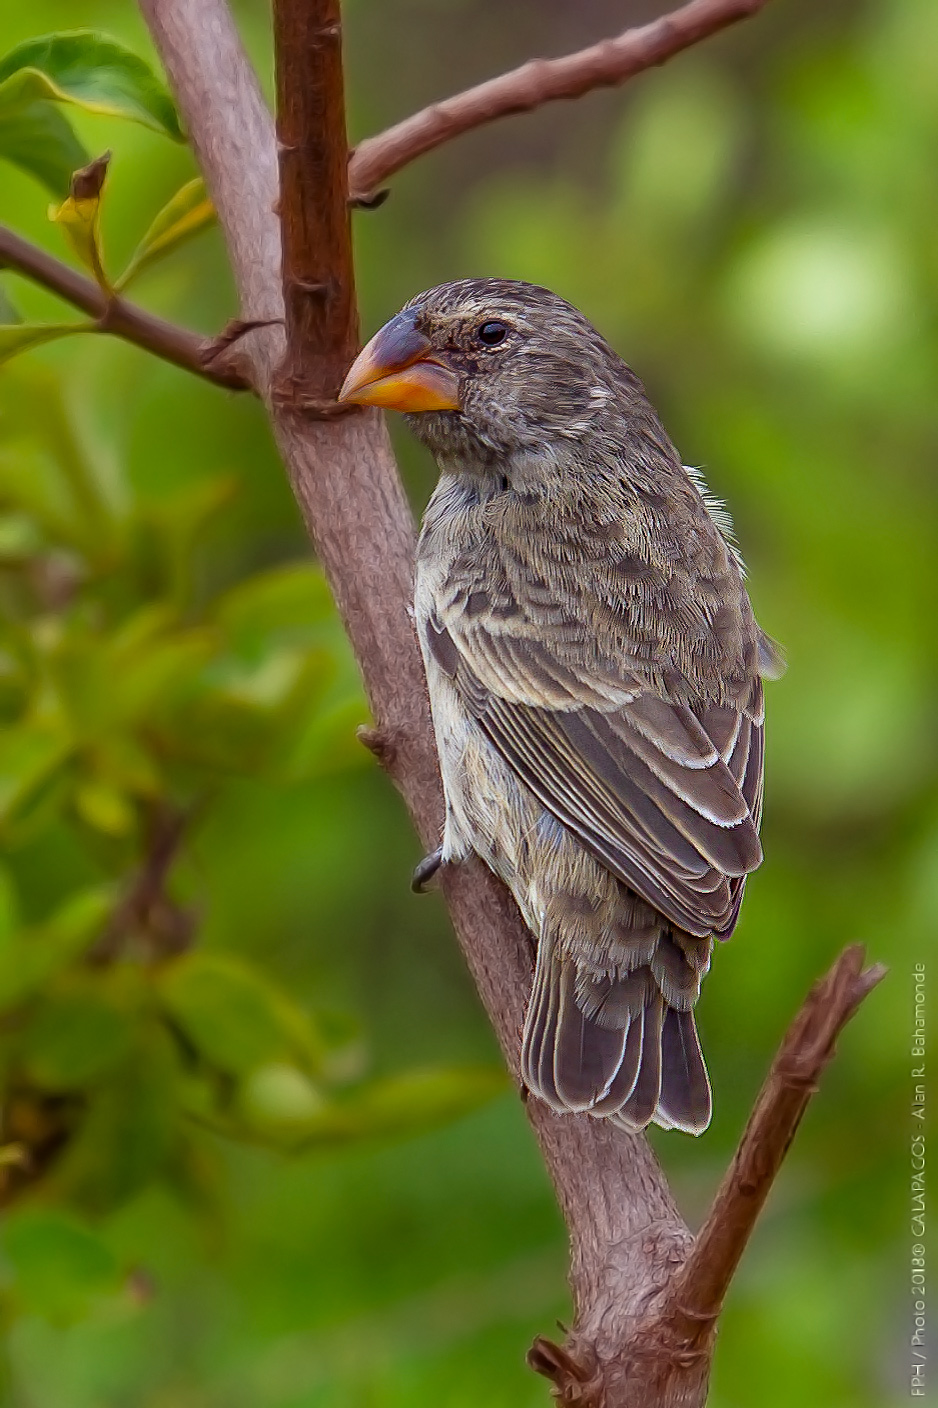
(667, 796)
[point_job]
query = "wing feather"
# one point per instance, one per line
(666, 796)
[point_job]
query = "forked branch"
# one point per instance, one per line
(808, 1047)
(539, 81)
(675, 1338)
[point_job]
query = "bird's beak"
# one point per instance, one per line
(398, 369)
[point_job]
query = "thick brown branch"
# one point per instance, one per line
(539, 81)
(116, 316)
(698, 1291)
(318, 281)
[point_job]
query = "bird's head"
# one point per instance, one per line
(489, 368)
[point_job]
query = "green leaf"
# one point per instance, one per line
(30, 753)
(234, 1017)
(9, 907)
(21, 337)
(93, 71)
(279, 1100)
(225, 733)
(38, 138)
(287, 599)
(187, 213)
(410, 1102)
(327, 741)
(76, 1036)
(60, 1267)
(9, 313)
(129, 1133)
(32, 956)
(398, 1107)
(48, 467)
(125, 679)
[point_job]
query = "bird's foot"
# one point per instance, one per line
(426, 871)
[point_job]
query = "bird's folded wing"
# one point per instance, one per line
(667, 798)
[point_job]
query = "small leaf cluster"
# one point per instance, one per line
(95, 74)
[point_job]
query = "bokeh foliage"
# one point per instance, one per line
(217, 998)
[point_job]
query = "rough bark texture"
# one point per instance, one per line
(318, 285)
(632, 1345)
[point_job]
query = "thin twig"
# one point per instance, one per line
(697, 1292)
(539, 81)
(145, 908)
(118, 317)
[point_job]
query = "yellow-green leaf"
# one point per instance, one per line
(9, 313)
(396, 1107)
(30, 753)
(79, 217)
(278, 1099)
(30, 958)
(20, 337)
(185, 214)
(104, 808)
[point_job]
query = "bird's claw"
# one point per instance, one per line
(426, 870)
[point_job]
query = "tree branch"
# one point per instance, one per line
(145, 911)
(539, 81)
(627, 1238)
(698, 1291)
(319, 283)
(678, 1329)
(120, 318)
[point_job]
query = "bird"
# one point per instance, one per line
(595, 672)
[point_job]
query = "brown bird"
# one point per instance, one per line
(594, 672)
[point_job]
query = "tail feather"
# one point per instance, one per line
(639, 1109)
(621, 1047)
(587, 1056)
(685, 1100)
(567, 1059)
(624, 1081)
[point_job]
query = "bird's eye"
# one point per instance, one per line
(492, 333)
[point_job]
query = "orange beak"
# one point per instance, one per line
(396, 370)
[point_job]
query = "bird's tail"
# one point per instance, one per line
(623, 1043)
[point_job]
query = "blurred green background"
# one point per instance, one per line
(281, 1170)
